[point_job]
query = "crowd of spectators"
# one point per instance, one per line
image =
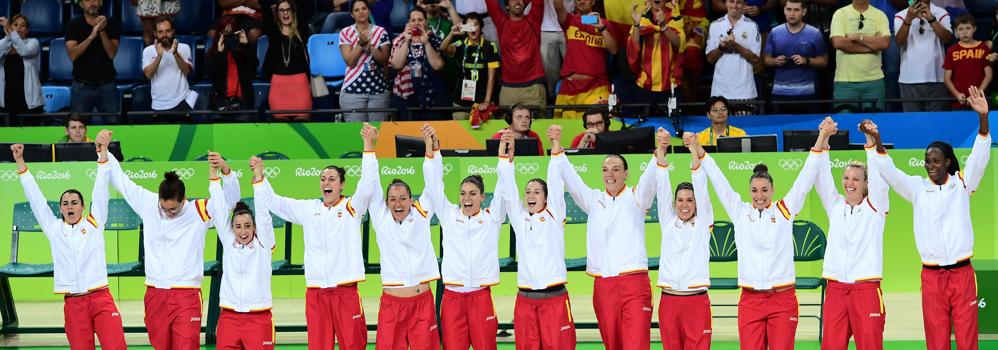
(472, 55)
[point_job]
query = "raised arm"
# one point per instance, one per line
(434, 198)
(581, 193)
(977, 163)
(143, 201)
(730, 200)
(293, 210)
(497, 208)
(39, 206)
(824, 183)
(261, 207)
(101, 195)
(26, 47)
(645, 190)
(907, 186)
(794, 199)
(705, 209)
(230, 182)
(556, 185)
(217, 208)
(370, 182)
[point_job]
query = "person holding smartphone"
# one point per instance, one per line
(584, 79)
(419, 82)
(478, 60)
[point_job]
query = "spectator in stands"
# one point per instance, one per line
(365, 48)
(658, 29)
(891, 57)
(553, 42)
(91, 43)
(520, 51)
(733, 46)
(759, 11)
(795, 50)
(966, 63)
(583, 73)
(717, 111)
(695, 24)
(953, 7)
(166, 63)
(286, 65)
(232, 65)
(149, 11)
(440, 19)
(415, 54)
(464, 7)
(479, 62)
(76, 130)
(859, 34)
(304, 11)
(922, 55)
(519, 120)
(248, 16)
(820, 13)
(20, 87)
(596, 121)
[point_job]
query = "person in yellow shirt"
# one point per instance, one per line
(717, 111)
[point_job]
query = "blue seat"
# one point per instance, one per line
(331, 66)
(261, 90)
(128, 60)
(5, 8)
(60, 67)
(192, 42)
(56, 98)
(195, 16)
(141, 98)
(335, 22)
(262, 45)
(399, 16)
(130, 21)
(45, 15)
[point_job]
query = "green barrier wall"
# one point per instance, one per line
(299, 179)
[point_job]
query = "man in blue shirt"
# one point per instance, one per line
(795, 50)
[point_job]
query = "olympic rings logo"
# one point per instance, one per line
(527, 168)
(353, 170)
(92, 173)
(8, 175)
(184, 173)
(271, 172)
(791, 164)
(448, 168)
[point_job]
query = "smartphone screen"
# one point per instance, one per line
(590, 19)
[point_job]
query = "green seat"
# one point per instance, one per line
(211, 266)
(651, 216)
(576, 264)
(653, 262)
(574, 215)
(138, 159)
(24, 222)
(16, 269)
(723, 249)
(352, 155)
(809, 245)
(121, 217)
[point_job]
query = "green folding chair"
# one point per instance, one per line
(723, 249)
(809, 245)
(121, 217)
(574, 215)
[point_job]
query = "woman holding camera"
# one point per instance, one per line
(419, 83)
(232, 66)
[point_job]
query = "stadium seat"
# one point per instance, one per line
(574, 215)
(262, 45)
(192, 41)
(128, 60)
(399, 16)
(60, 67)
(723, 249)
(131, 23)
(331, 66)
(24, 222)
(261, 91)
(141, 98)
(272, 155)
(5, 8)
(335, 22)
(809, 245)
(56, 98)
(46, 17)
(121, 217)
(195, 16)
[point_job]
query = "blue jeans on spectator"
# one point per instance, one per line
(892, 70)
(84, 98)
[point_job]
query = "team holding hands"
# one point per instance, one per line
(175, 228)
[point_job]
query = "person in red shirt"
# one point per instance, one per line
(966, 63)
(520, 52)
(596, 120)
(653, 49)
(519, 121)
(583, 73)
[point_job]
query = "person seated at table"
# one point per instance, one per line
(76, 130)
(519, 120)
(596, 120)
(717, 111)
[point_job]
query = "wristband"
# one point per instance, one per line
(933, 20)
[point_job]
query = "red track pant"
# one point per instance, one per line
(685, 322)
(950, 297)
(544, 324)
(335, 314)
(245, 330)
(173, 318)
(624, 310)
(767, 319)
(853, 310)
(93, 313)
(405, 323)
(468, 319)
